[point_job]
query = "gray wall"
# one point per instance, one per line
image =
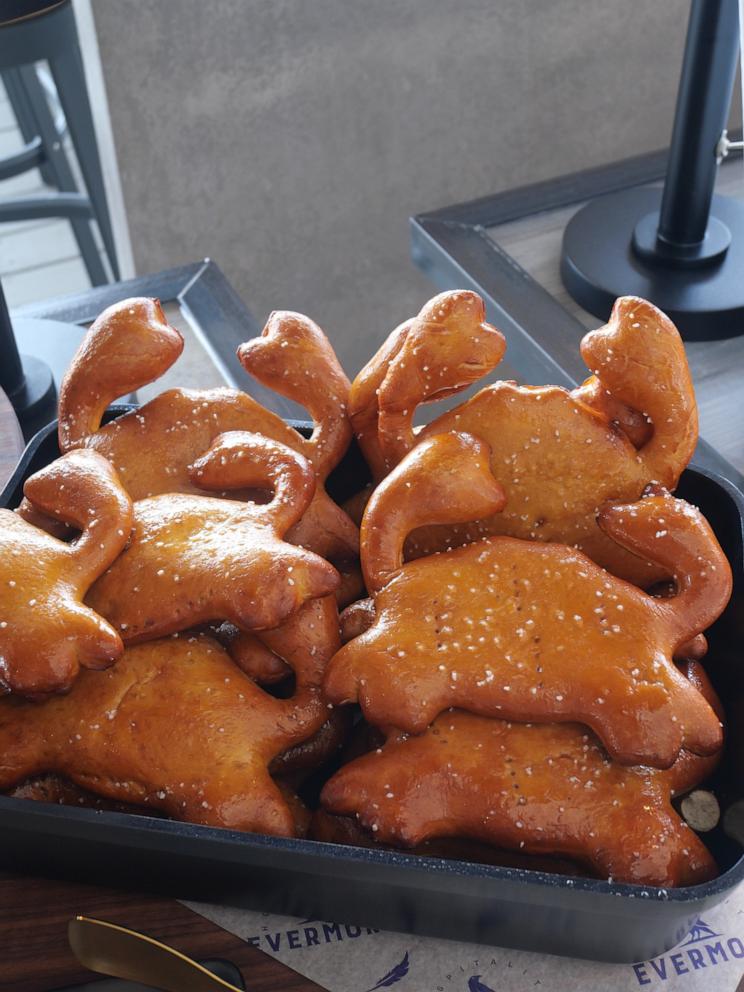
(290, 139)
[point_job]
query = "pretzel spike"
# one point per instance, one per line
(445, 479)
(127, 346)
(293, 357)
(639, 358)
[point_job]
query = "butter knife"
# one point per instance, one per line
(114, 950)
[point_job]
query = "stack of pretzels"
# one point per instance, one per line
(517, 674)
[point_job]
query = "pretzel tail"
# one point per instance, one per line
(449, 347)
(127, 346)
(82, 489)
(446, 479)
(293, 357)
(675, 535)
(640, 360)
(239, 459)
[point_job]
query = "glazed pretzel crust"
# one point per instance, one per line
(46, 633)
(529, 631)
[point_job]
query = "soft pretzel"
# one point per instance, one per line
(538, 789)
(560, 454)
(175, 727)
(131, 344)
(440, 352)
(46, 633)
(194, 559)
(527, 630)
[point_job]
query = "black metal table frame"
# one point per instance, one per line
(454, 248)
(218, 316)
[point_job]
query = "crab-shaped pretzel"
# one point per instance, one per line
(527, 630)
(560, 454)
(131, 344)
(194, 559)
(174, 726)
(534, 788)
(46, 633)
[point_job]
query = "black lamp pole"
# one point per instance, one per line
(682, 248)
(26, 380)
(11, 370)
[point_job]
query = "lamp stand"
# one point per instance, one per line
(682, 247)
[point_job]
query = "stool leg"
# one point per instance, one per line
(69, 78)
(61, 171)
(23, 114)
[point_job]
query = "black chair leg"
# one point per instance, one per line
(61, 172)
(69, 78)
(23, 114)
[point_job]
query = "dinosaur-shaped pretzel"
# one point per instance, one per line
(175, 727)
(46, 633)
(534, 788)
(526, 630)
(194, 559)
(131, 344)
(560, 454)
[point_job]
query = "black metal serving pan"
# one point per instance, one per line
(396, 891)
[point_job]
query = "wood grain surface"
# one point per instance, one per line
(35, 955)
(11, 439)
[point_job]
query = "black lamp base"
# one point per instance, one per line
(35, 401)
(599, 263)
(36, 395)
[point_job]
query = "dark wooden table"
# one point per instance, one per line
(35, 955)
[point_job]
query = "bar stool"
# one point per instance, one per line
(44, 30)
